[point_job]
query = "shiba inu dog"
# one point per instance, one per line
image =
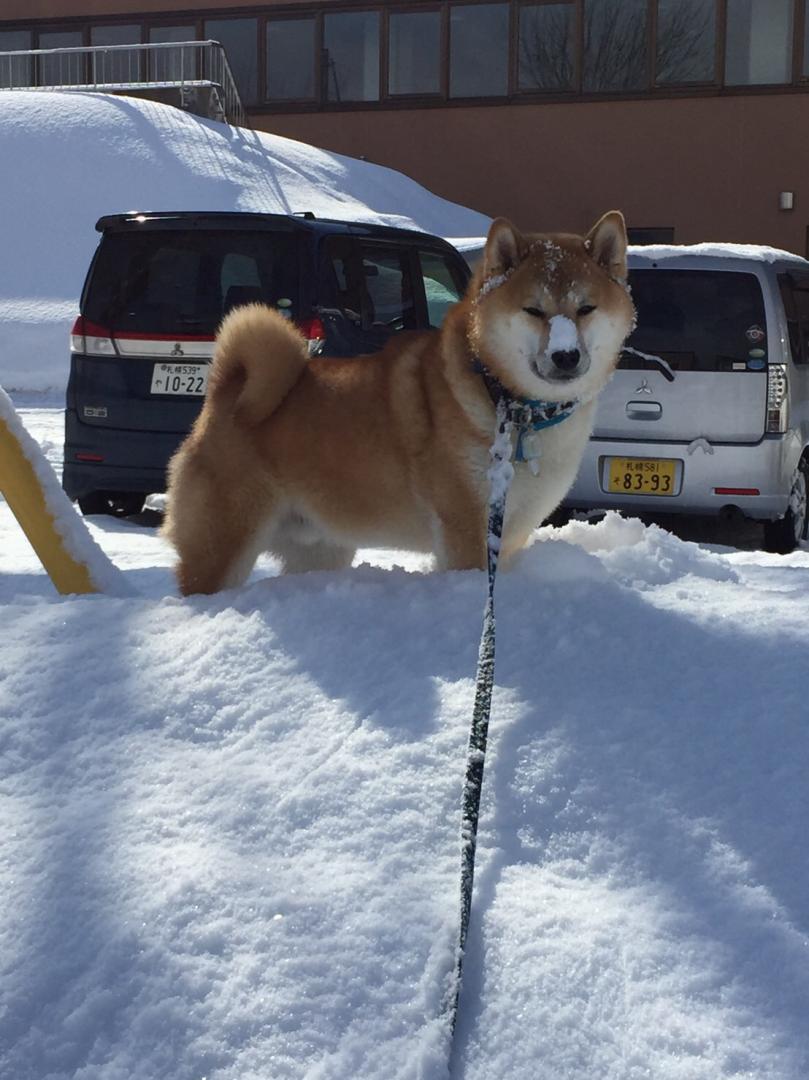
(311, 459)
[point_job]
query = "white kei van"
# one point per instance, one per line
(708, 412)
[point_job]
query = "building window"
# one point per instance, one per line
(414, 53)
(240, 40)
(478, 31)
(15, 70)
(119, 65)
(686, 41)
(351, 56)
(291, 59)
(65, 69)
(547, 47)
(615, 50)
(759, 42)
(173, 65)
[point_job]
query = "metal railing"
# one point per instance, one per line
(187, 67)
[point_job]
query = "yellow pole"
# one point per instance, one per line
(23, 491)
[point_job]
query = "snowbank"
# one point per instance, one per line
(68, 158)
(231, 823)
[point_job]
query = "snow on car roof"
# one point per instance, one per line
(757, 252)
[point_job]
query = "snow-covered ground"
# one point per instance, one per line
(229, 825)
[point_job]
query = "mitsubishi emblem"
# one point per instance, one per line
(644, 387)
(178, 351)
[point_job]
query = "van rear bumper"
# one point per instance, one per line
(122, 461)
(766, 467)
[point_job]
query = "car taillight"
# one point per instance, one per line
(89, 338)
(777, 399)
(315, 333)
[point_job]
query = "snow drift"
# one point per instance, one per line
(68, 158)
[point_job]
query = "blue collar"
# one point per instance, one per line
(525, 414)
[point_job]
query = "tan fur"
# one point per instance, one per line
(312, 459)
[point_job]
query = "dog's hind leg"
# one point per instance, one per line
(218, 534)
(220, 555)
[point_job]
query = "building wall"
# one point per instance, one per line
(710, 167)
(56, 9)
(709, 164)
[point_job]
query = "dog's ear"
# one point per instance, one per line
(505, 248)
(606, 242)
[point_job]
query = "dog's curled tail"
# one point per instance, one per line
(258, 358)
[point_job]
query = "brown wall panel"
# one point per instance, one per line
(710, 167)
(60, 9)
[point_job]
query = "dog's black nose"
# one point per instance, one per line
(567, 359)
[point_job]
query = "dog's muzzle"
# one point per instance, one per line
(562, 365)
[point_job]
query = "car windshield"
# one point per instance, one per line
(175, 282)
(696, 320)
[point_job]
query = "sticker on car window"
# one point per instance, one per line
(755, 334)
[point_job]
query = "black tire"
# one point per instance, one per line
(784, 535)
(114, 503)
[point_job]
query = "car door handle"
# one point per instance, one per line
(644, 410)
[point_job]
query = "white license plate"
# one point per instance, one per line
(186, 379)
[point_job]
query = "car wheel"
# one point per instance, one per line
(115, 503)
(784, 535)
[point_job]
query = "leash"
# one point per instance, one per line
(500, 475)
(526, 417)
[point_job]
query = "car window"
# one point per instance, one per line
(389, 283)
(373, 283)
(166, 281)
(795, 294)
(442, 287)
(697, 320)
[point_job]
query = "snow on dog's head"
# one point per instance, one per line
(552, 311)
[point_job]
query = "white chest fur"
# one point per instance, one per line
(536, 492)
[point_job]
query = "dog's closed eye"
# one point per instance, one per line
(586, 309)
(538, 313)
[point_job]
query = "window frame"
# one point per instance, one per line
(794, 40)
(327, 104)
(575, 87)
(385, 9)
(718, 56)
(443, 50)
(317, 49)
(472, 99)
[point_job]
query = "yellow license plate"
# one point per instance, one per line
(641, 476)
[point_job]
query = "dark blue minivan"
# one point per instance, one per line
(158, 288)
